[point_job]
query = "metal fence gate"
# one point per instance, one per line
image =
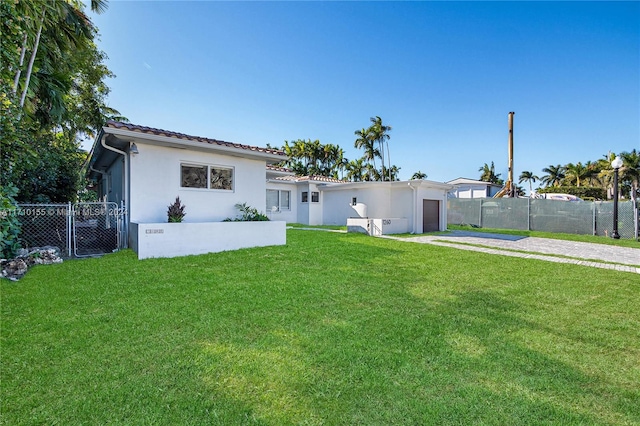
(530, 214)
(78, 230)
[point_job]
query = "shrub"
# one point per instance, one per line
(588, 192)
(9, 224)
(176, 212)
(248, 214)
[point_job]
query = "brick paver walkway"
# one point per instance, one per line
(588, 254)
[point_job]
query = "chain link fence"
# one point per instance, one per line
(78, 230)
(588, 218)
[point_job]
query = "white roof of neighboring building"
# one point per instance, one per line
(465, 181)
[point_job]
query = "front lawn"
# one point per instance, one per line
(335, 329)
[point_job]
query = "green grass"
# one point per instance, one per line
(558, 236)
(330, 227)
(335, 329)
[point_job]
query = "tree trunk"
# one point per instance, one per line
(19, 70)
(32, 59)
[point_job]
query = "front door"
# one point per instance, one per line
(430, 215)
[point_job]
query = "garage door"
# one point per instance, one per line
(430, 215)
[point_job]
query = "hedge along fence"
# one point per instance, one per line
(585, 217)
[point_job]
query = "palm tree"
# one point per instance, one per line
(418, 175)
(554, 175)
(355, 170)
(489, 174)
(365, 141)
(576, 172)
(527, 176)
(630, 170)
(379, 133)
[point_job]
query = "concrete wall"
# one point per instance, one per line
(182, 239)
(155, 183)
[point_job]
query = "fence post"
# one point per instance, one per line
(529, 214)
(480, 219)
(69, 229)
(593, 209)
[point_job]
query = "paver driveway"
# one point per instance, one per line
(589, 254)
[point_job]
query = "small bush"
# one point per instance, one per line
(9, 224)
(248, 214)
(176, 212)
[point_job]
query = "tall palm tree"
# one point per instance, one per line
(527, 176)
(379, 133)
(366, 142)
(554, 175)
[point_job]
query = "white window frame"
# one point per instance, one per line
(317, 194)
(209, 168)
(280, 206)
(303, 195)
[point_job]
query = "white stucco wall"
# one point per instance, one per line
(155, 183)
(150, 240)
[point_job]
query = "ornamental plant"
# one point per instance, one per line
(9, 224)
(248, 214)
(175, 212)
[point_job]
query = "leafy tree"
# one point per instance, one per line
(366, 142)
(630, 170)
(52, 95)
(575, 172)
(488, 174)
(380, 133)
(554, 175)
(418, 175)
(527, 176)
(356, 170)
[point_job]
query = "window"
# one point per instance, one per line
(211, 177)
(354, 201)
(305, 197)
(315, 197)
(278, 199)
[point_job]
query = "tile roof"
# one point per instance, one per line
(160, 132)
(278, 169)
(311, 179)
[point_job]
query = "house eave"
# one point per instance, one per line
(172, 142)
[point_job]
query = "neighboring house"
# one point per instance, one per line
(419, 205)
(145, 169)
(469, 188)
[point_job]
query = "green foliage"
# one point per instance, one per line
(329, 329)
(52, 96)
(584, 192)
(248, 214)
(175, 211)
(9, 223)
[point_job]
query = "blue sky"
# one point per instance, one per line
(444, 75)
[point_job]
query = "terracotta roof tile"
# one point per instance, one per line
(278, 169)
(310, 179)
(167, 133)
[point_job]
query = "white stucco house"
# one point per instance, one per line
(470, 188)
(414, 206)
(145, 169)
